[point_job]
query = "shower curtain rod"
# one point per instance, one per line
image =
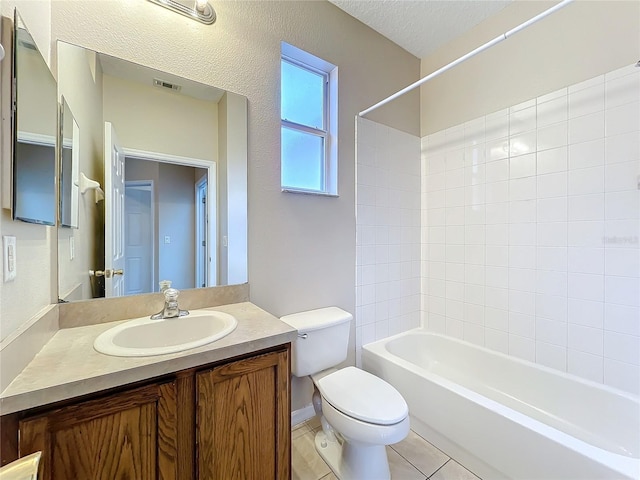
(481, 48)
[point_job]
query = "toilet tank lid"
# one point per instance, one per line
(315, 319)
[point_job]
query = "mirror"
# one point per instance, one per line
(69, 155)
(34, 128)
(156, 146)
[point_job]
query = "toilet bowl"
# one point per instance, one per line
(359, 412)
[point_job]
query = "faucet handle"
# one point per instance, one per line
(171, 294)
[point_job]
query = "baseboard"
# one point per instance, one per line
(305, 413)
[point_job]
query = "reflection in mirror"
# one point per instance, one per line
(69, 164)
(34, 127)
(171, 156)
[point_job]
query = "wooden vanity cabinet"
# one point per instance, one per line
(130, 435)
(224, 421)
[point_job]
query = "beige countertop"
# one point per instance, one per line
(68, 366)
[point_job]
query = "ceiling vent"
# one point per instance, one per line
(162, 84)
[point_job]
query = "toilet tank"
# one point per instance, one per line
(323, 338)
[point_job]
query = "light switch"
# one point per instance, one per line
(9, 257)
(167, 239)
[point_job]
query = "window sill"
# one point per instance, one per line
(310, 192)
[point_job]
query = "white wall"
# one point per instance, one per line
(387, 232)
(532, 226)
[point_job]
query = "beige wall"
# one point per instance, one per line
(578, 42)
(156, 120)
(301, 248)
(80, 82)
(35, 286)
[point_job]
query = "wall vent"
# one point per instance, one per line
(162, 84)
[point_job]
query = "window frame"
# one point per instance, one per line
(305, 61)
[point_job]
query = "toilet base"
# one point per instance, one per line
(352, 461)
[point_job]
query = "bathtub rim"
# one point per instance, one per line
(625, 465)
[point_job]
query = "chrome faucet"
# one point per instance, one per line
(171, 309)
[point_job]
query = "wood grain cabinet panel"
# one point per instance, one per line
(243, 423)
(123, 436)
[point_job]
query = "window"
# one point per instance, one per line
(308, 123)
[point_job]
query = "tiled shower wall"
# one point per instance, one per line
(530, 227)
(387, 232)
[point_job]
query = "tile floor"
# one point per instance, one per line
(412, 459)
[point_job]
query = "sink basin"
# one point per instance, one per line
(142, 337)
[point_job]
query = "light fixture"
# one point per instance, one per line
(199, 10)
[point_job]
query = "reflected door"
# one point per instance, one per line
(138, 232)
(114, 213)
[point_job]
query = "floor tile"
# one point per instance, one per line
(299, 430)
(306, 463)
(314, 424)
(453, 471)
(331, 476)
(420, 453)
(401, 469)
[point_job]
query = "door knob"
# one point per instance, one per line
(108, 273)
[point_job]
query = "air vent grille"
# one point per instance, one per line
(162, 84)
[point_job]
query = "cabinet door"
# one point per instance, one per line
(243, 420)
(130, 435)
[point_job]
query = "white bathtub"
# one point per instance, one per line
(503, 417)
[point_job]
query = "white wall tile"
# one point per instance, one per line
(586, 260)
(586, 234)
(551, 307)
(622, 205)
(622, 319)
(621, 176)
(550, 282)
(542, 225)
(554, 136)
(551, 234)
(622, 90)
(522, 166)
(551, 356)
(622, 119)
(551, 209)
(586, 286)
(497, 319)
(586, 365)
(552, 185)
(496, 340)
(586, 180)
(551, 331)
(553, 111)
(586, 101)
(586, 207)
(497, 171)
(552, 160)
(622, 290)
(621, 347)
(622, 148)
(623, 262)
(522, 347)
(586, 312)
(622, 375)
(586, 128)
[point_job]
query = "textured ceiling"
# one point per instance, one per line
(421, 26)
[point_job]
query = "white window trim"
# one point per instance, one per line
(307, 61)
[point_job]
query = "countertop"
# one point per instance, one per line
(68, 366)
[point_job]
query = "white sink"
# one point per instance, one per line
(142, 337)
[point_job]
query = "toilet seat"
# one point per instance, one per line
(363, 396)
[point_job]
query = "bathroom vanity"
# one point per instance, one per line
(217, 411)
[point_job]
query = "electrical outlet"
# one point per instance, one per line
(9, 257)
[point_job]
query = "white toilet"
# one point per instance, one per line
(360, 413)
